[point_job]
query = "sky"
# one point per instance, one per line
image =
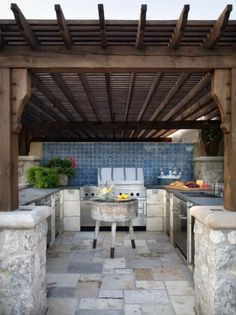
(118, 9)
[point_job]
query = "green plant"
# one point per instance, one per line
(63, 166)
(210, 135)
(43, 177)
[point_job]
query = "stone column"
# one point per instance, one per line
(215, 260)
(23, 261)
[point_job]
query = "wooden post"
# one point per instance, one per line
(14, 92)
(224, 93)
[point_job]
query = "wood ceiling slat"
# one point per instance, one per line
(47, 92)
(65, 89)
(89, 94)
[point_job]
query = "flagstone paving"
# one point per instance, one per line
(151, 279)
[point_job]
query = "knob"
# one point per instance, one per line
(137, 194)
(92, 194)
(86, 194)
(131, 194)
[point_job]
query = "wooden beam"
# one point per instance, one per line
(77, 139)
(109, 95)
(179, 28)
(157, 125)
(66, 91)
(129, 98)
(14, 92)
(141, 27)
(89, 94)
(48, 94)
(175, 88)
(102, 26)
(197, 88)
(148, 98)
(24, 27)
(63, 26)
(205, 111)
(46, 109)
(118, 59)
(218, 28)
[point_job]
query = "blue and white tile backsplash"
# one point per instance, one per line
(152, 157)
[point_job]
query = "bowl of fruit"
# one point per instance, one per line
(123, 197)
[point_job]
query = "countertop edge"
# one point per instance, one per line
(215, 217)
(21, 219)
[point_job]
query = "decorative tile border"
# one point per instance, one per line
(152, 157)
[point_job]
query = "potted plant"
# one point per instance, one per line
(43, 177)
(65, 168)
(55, 173)
(211, 138)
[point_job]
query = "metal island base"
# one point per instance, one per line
(113, 210)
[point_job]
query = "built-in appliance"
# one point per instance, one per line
(182, 227)
(128, 180)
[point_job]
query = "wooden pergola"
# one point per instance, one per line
(106, 80)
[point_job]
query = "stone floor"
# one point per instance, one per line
(151, 279)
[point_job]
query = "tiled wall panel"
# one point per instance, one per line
(152, 157)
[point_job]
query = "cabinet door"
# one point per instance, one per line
(155, 196)
(154, 210)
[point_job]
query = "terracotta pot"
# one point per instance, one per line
(63, 180)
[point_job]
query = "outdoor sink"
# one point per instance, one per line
(201, 194)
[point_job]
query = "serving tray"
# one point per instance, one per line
(185, 188)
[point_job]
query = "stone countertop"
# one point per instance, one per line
(202, 201)
(30, 195)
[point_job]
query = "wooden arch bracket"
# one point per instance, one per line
(20, 94)
(221, 93)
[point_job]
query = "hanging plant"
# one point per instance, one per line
(211, 138)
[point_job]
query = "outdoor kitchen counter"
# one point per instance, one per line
(30, 195)
(201, 201)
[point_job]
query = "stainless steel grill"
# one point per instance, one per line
(124, 180)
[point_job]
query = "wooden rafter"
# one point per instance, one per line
(37, 111)
(24, 27)
(89, 94)
(129, 98)
(179, 29)
(48, 94)
(197, 88)
(40, 104)
(189, 112)
(65, 89)
(148, 98)
(158, 125)
(218, 28)
(182, 78)
(141, 27)
(102, 26)
(214, 114)
(63, 26)
(109, 95)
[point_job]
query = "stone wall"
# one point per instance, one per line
(209, 168)
(215, 264)
(23, 262)
(24, 163)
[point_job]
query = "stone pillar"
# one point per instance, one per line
(24, 163)
(215, 260)
(23, 261)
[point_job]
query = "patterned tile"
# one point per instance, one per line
(152, 157)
